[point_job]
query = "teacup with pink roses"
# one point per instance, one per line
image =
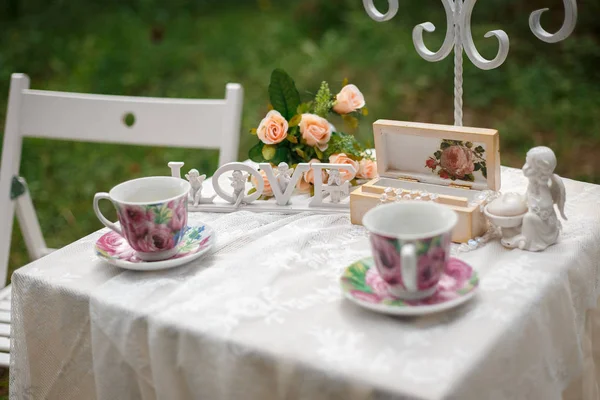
(296, 132)
(152, 213)
(410, 242)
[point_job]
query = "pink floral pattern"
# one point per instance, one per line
(156, 227)
(431, 259)
(114, 246)
(362, 282)
(458, 160)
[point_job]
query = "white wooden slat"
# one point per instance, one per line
(99, 118)
(5, 330)
(5, 317)
(4, 360)
(234, 97)
(11, 159)
(5, 293)
(4, 305)
(4, 344)
(30, 226)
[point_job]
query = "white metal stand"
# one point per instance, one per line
(459, 37)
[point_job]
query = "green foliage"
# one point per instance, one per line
(283, 94)
(323, 100)
(343, 143)
(255, 153)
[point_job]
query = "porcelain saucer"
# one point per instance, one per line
(114, 249)
(362, 285)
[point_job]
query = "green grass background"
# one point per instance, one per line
(543, 95)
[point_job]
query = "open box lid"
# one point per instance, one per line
(438, 154)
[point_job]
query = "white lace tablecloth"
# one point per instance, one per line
(262, 317)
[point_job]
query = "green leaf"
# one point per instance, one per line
(255, 153)
(283, 93)
(477, 166)
(295, 121)
(469, 144)
(438, 155)
(17, 187)
(469, 178)
(268, 152)
(484, 172)
(479, 149)
(304, 108)
(253, 190)
(292, 139)
(444, 145)
(282, 154)
(319, 153)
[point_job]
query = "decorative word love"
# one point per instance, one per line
(328, 196)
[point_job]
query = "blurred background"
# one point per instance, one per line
(543, 95)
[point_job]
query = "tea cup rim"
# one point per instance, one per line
(187, 187)
(451, 220)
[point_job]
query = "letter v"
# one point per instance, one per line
(283, 198)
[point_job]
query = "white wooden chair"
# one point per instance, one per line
(98, 118)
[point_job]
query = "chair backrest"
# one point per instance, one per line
(212, 124)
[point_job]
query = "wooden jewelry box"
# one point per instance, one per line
(451, 165)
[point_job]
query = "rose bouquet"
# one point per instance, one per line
(299, 132)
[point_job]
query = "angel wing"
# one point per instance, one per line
(558, 192)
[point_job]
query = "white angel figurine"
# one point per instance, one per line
(284, 176)
(336, 185)
(196, 180)
(541, 225)
(238, 183)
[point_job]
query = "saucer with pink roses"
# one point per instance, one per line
(114, 249)
(362, 284)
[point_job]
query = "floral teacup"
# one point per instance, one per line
(152, 213)
(410, 243)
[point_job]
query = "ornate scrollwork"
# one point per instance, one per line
(566, 29)
(469, 46)
(378, 16)
(448, 44)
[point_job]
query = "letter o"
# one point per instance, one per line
(237, 166)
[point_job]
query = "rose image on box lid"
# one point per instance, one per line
(438, 154)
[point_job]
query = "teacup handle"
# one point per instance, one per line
(102, 218)
(408, 262)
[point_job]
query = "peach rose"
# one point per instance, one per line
(267, 190)
(342, 158)
(367, 169)
(309, 176)
(273, 128)
(315, 130)
(349, 99)
(303, 186)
